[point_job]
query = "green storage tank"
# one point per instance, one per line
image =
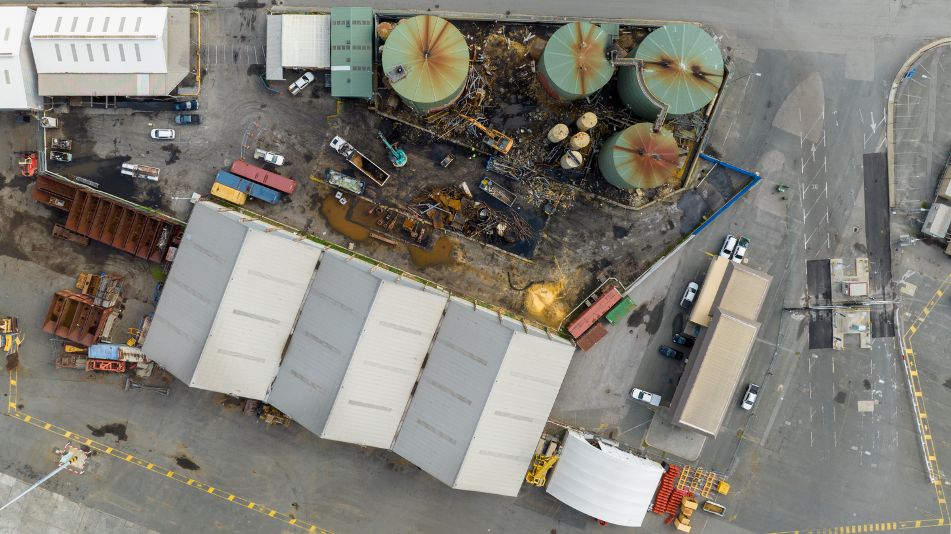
(426, 59)
(683, 68)
(639, 157)
(574, 63)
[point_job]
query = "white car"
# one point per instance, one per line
(650, 398)
(689, 294)
(750, 397)
(740, 251)
(163, 133)
(274, 159)
(301, 83)
(729, 244)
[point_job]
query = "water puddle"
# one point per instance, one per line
(336, 216)
(441, 254)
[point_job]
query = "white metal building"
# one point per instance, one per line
(228, 308)
(17, 71)
(482, 400)
(125, 51)
(603, 481)
(297, 42)
(357, 350)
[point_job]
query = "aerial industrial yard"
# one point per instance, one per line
(279, 268)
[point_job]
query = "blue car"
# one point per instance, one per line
(681, 339)
(186, 105)
(673, 354)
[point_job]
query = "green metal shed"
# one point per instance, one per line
(426, 59)
(683, 68)
(574, 63)
(351, 52)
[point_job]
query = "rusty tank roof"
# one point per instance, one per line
(574, 63)
(639, 157)
(683, 66)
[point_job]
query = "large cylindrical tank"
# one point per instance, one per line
(683, 68)
(427, 62)
(574, 63)
(639, 157)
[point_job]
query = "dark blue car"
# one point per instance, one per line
(670, 353)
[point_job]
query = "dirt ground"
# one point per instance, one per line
(578, 246)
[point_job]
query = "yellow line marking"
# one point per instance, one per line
(211, 489)
(28, 419)
(251, 505)
(231, 497)
(272, 513)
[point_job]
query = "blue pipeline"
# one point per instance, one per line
(754, 175)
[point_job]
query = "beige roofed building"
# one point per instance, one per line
(99, 51)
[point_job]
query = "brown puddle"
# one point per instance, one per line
(336, 216)
(441, 254)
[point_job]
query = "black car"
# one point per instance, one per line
(670, 353)
(186, 105)
(681, 339)
(187, 119)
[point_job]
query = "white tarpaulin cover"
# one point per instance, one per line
(605, 483)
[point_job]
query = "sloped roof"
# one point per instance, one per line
(17, 72)
(604, 482)
(482, 400)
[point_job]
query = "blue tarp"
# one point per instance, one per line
(104, 351)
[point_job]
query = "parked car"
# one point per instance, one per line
(301, 83)
(184, 118)
(670, 352)
(650, 398)
(749, 398)
(729, 244)
(163, 133)
(683, 340)
(740, 251)
(689, 295)
(273, 159)
(186, 106)
(59, 155)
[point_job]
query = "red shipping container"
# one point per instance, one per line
(263, 177)
(597, 310)
(591, 337)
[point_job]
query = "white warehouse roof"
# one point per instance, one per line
(356, 353)
(228, 307)
(100, 39)
(604, 482)
(17, 72)
(305, 41)
(483, 399)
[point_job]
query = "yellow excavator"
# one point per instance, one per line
(538, 472)
(494, 138)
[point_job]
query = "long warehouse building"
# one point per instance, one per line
(356, 352)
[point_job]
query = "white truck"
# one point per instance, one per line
(270, 157)
(368, 168)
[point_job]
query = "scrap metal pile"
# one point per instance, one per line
(451, 208)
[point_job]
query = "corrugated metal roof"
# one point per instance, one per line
(434, 57)
(351, 52)
(100, 39)
(273, 64)
(639, 157)
(385, 364)
(708, 387)
(17, 72)
(193, 290)
(131, 83)
(574, 63)
(330, 324)
(256, 316)
(305, 41)
(605, 483)
(482, 400)
(743, 291)
(938, 221)
(683, 66)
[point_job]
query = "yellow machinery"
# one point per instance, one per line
(494, 138)
(537, 474)
(687, 508)
(10, 336)
(723, 487)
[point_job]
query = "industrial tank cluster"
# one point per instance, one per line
(676, 69)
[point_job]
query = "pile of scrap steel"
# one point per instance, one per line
(10, 339)
(454, 209)
(392, 224)
(266, 413)
(104, 357)
(88, 316)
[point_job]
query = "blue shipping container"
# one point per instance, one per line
(253, 190)
(104, 351)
